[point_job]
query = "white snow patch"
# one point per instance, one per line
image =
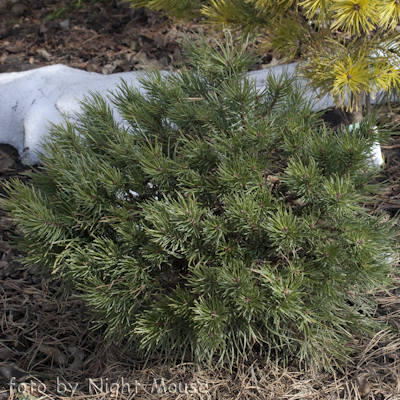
(32, 99)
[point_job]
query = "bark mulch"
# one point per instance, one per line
(104, 37)
(46, 340)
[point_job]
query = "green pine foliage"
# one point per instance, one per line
(187, 9)
(349, 49)
(218, 221)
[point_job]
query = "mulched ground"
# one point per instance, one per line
(45, 338)
(104, 37)
(101, 37)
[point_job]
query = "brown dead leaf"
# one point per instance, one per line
(110, 68)
(58, 356)
(6, 222)
(32, 50)
(6, 353)
(50, 306)
(273, 180)
(7, 163)
(4, 247)
(44, 54)
(128, 56)
(12, 49)
(91, 67)
(16, 48)
(12, 371)
(3, 58)
(363, 386)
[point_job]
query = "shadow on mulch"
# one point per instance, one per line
(47, 344)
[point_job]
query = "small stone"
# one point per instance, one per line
(42, 28)
(19, 9)
(65, 24)
(6, 353)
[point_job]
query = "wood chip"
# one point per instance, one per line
(58, 356)
(44, 54)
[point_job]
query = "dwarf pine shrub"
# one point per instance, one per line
(217, 220)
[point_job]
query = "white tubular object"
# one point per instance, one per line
(376, 151)
(377, 158)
